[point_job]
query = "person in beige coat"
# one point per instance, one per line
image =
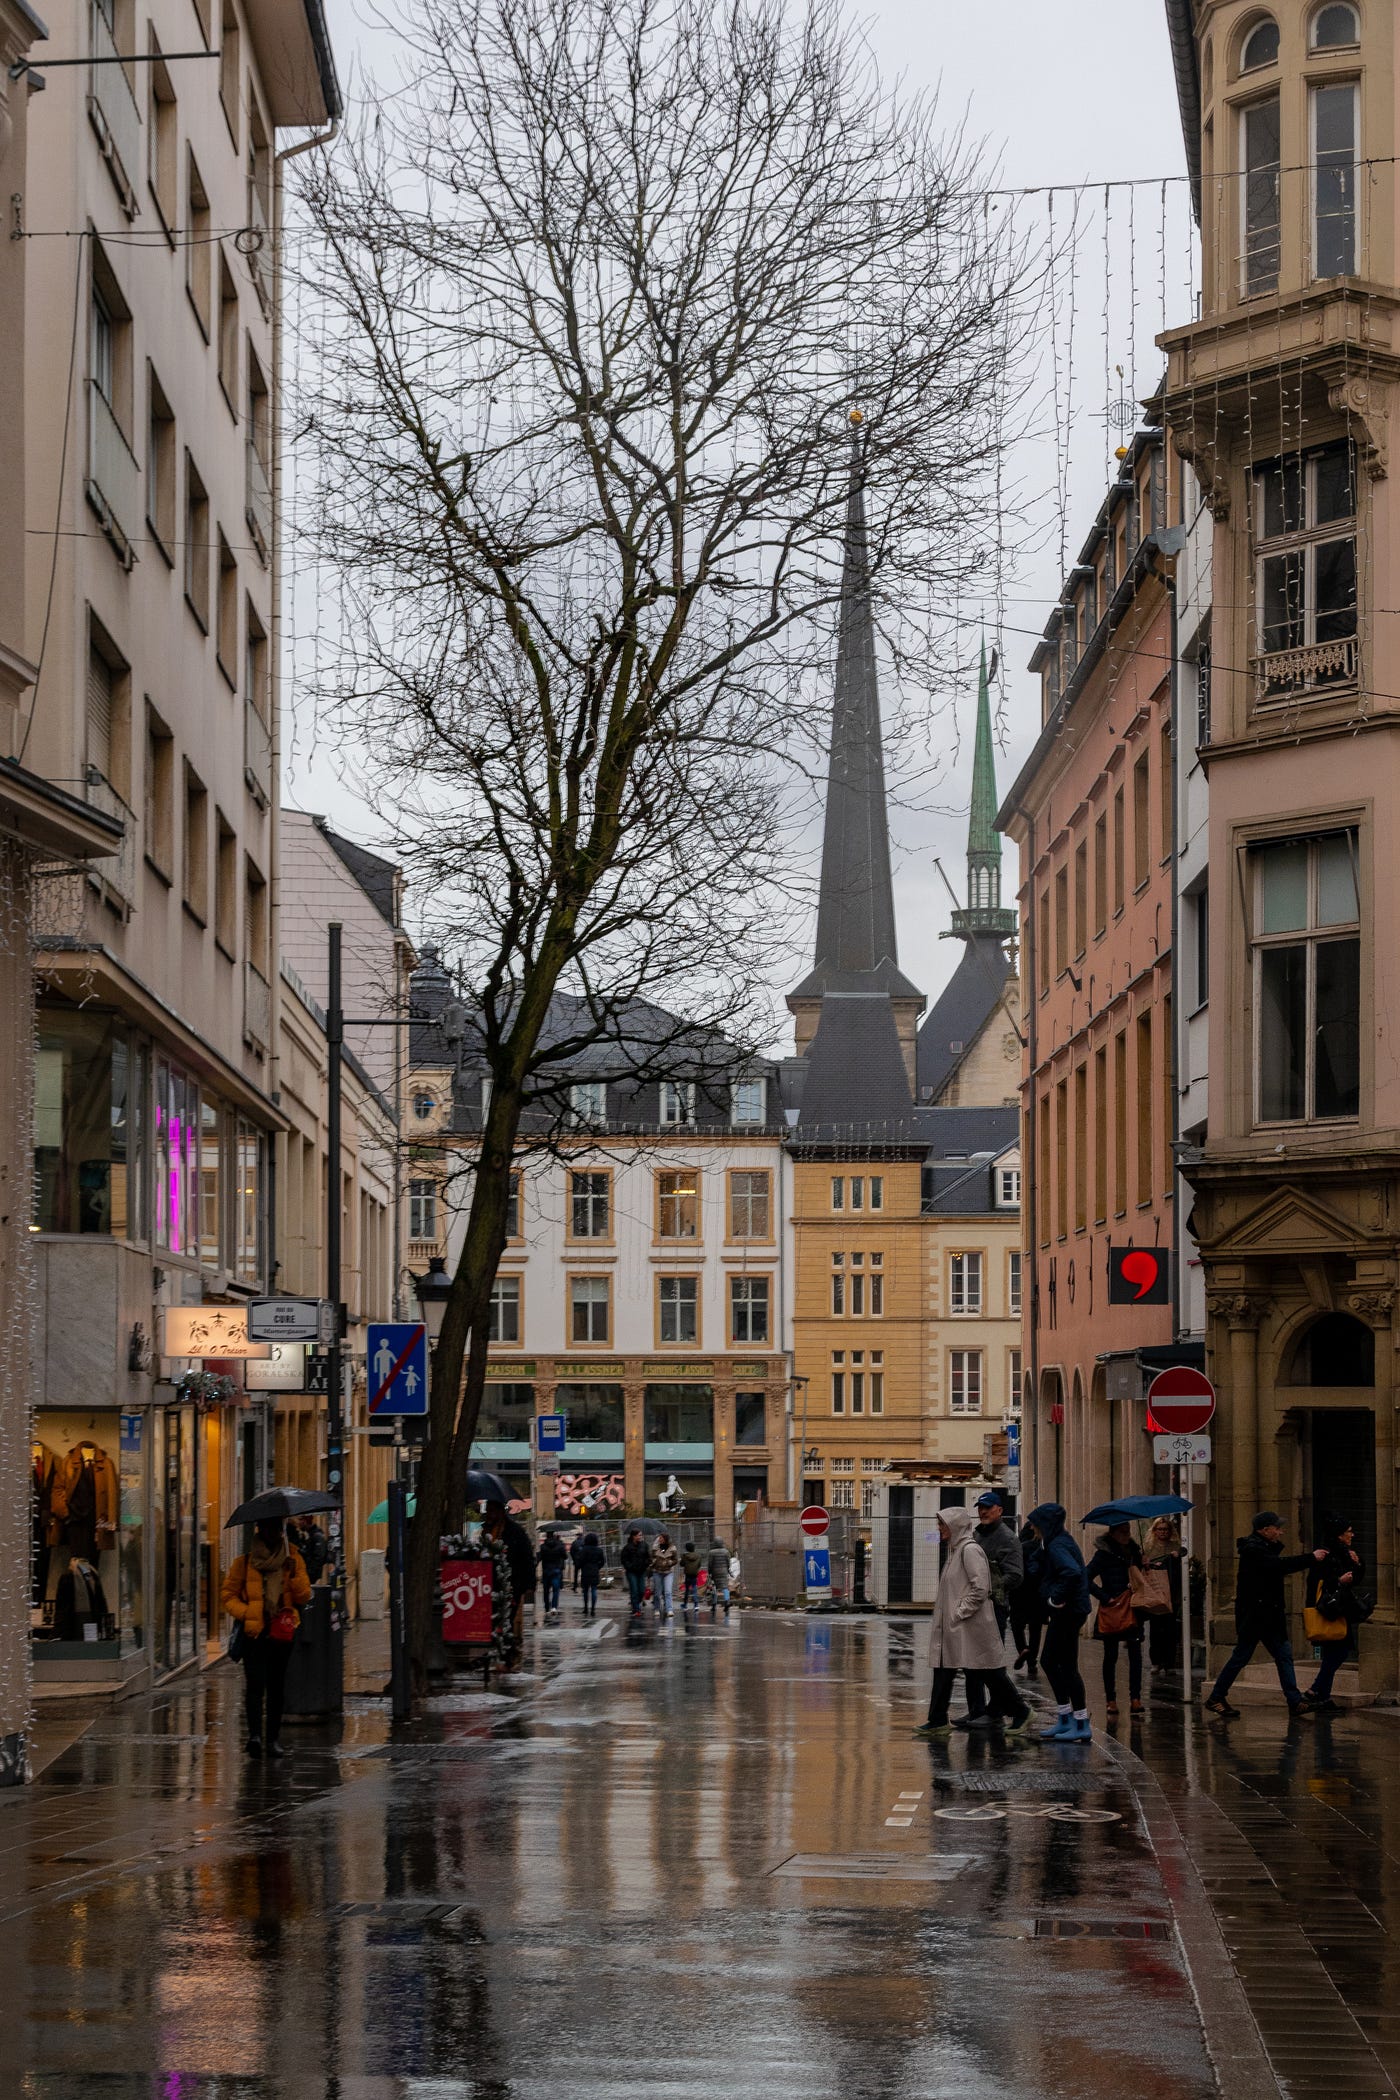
(964, 1634)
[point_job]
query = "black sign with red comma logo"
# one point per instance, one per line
(1139, 1276)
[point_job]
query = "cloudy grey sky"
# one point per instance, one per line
(1069, 94)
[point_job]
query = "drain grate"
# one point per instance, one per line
(1026, 1780)
(117, 1742)
(409, 1917)
(875, 1866)
(1100, 1929)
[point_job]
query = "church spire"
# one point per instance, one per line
(984, 913)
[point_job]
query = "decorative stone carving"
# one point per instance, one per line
(1208, 452)
(1236, 1308)
(1375, 1306)
(1365, 404)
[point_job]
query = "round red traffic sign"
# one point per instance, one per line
(1180, 1402)
(815, 1521)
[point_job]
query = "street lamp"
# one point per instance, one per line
(433, 1292)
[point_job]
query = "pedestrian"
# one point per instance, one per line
(1261, 1618)
(692, 1560)
(1064, 1592)
(592, 1559)
(520, 1558)
(964, 1635)
(636, 1562)
(263, 1591)
(1003, 1550)
(717, 1572)
(1330, 1606)
(553, 1558)
(310, 1541)
(1116, 1624)
(663, 1576)
(1162, 1556)
(1027, 1611)
(575, 1550)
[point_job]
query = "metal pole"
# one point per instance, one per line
(398, 1631)
(1188, 1682)
(335, 1417)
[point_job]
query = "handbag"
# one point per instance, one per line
(1318, 1627)
(1150, 1589)
(1358, 1605)
(237, 1642)
(285, 1623)
(1116, 1616)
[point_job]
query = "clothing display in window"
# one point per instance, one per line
(43, 1465)
(85, 1500)
(80, 1602)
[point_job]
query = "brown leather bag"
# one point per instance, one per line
(1117, 1615)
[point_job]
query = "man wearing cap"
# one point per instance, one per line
(1261, 1615)
(1003, 1550)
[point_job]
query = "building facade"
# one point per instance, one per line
(1281, 395)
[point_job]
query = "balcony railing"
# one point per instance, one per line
(257, 754)
(257, 1007)
(1316, 667)
(113, 112)
(260, 253)
(259, 500)
(114, 875)
(113, 476)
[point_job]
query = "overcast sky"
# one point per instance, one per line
(1075, 93)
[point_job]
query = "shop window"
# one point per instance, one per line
(678, 1204)
(965, 1283)
(507, 1411)
(589, 1309)
(679, 1309)
(748, 1309)
(589, 1206)
(1304, 525)
(680, 1414)
(965, 1381)
(749, 1418)
(690, 1496)
(505, 1309)
(422, 1210)
(594, 1413)
(749, 1211)
(1307, 979)
(88, 1126)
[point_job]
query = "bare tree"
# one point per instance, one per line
(600, 289)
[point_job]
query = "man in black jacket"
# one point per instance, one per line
(1261, 1617)
(1003, 1550)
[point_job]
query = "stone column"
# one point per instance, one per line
(723, 1432)
(634, 1404)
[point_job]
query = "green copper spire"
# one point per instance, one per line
(984, 912)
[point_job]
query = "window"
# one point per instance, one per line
(1061, 921)
(102, 347)
(1334, 127)
(965, 1381)
(1142, 845)
(162, 162)
(101, 683)
(1304, 522)
(423, 1106)
(1143, 1108)
(1081, 897)
(160, 465)
(1013, 1281)
(257, 502)
(1008, 1188)
(1120, 1122)
(1081, 1147)
(750, 1421)
(588, 1308)
(1100, 1135)
(225, 885)
(877, 1382)
(1335, 26)
(965, 1283)
(228, 67)
(1260, 46)
(1307, 979)
(677, 1102)
(1043, 955)
(160, 794)
(211, 1236)
(748, 1308)
(857, 1286)
(589, 1206)
(226, 621)
(749, 1104)
(255, 916)
(680, 1312)
(255, 685)
(89, 1166)
(678, 1204)
(1119, 848)
(877, 1287)
(505, 1310)
(877, 1192)
(176, 1159)
(1100, 875)
(748, 1204)
(1203, 694)
(1013, 1383)
(1200, 913)
(228, 334)
(196, 545)
(589, 1104)
(1166, 780)
(838, 1192)
(857, 1383)
(857, 1192)
(249, 1157)
(422, 1210)
(838, 1382)
(1259, 201)
(196, 846)
(1043, 1163)
(513, 1208)
(842, 1494)
(1166, 1073)
(838, 1285)
(199, 253)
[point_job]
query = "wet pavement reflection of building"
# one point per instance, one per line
(700, 1861)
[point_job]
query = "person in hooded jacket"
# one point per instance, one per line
(964, 1635)
(717, 1570)
(1064, 1591)
(1261, 1614)
(590, 1561)
(1331, 1585)
(1027, 1611)
(553, 1558)
(692, 1561)
(1110, 1581)
(636, 1566)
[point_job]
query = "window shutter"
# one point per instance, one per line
(99, 714)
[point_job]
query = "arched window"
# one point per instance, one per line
(1260, 46)
(1208, 70)
(1335, 25)
(1336, 1350)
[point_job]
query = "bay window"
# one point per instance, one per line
(1307, 979)
(1304, 526)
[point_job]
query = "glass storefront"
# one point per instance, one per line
(697, 1491)
(177, 1543)
(680, 1414)
(86, 1596)
(506, 1414)
(88, 1129)
(595, 1414)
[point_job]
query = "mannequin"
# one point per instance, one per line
(44, 1477)
(84, 1504)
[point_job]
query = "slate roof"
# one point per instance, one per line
(963, 1008)
(856, 1087)
(375, 875)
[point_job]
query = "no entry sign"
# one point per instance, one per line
(814, 1521)
(1180, 1402)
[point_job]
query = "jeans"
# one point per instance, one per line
(991, 1689)
(636, 1588)
(690, 1592)
(553, 1584)
(663, 1590)
(1060, 1657)
(1280, 1650)
(264, 1679)
(1331, 1656)
(718, 1593)
(589, 1585)
(1112, 1642)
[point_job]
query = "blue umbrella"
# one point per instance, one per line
(1132, 1506)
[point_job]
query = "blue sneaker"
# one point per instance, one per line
(1063, 1731)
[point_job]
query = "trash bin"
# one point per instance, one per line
(315, 1674)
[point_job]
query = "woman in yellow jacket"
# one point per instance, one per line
(264, 1590)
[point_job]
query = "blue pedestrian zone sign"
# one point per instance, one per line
(398, 1368)
(550, 1432)
(817, 1560)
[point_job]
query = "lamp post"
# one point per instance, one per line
(433, 1291)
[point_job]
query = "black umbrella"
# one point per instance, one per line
(280, 1502)
(648, 1526)
(488, 1487)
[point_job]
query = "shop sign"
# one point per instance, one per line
(586, 1369)
(292, 1320)
(283, 1372)
(509, 1370)
(748, 1370)
(209, 1330)
(684, 1369)
(466, 1600)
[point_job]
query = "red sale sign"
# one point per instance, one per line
(466, 1600)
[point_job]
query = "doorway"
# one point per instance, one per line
(899, 1546)
(1339, 1473)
